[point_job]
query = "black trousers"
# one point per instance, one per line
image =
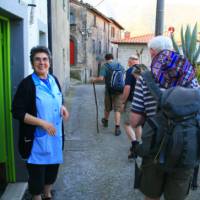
(40, 175)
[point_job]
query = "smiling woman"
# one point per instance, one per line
(41, 65)
(39, 108)
(40, 61)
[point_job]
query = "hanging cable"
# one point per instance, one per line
(99, 3)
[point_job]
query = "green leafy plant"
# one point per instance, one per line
(198, 72)
(189, 46)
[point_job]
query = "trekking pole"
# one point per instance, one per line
(137, 175)
(97, 112)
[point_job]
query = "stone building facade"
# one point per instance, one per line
(114, 34)
(91, 34)
(60, 31)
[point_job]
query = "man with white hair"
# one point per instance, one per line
(154, 181)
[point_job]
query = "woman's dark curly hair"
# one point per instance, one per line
(39, 49)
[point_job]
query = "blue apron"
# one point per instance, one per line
(47, 149)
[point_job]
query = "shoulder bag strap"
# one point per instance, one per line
(153, 87)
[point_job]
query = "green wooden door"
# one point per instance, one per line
(7, 164)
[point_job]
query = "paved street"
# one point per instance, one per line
(96, 165)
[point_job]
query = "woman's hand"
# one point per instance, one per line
(30, 119)
(64, 113)
(49, 128)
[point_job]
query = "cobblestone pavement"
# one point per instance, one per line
(96, 165)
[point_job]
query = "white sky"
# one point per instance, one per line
(138, 16)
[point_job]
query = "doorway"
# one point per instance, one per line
(72, 52)
(7, 165)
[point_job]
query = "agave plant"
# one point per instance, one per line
(189, 45)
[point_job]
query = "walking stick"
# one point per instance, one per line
(97, 112)
(137, 175)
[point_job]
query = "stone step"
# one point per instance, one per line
(14, 191)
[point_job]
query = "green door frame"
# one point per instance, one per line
(6, 134)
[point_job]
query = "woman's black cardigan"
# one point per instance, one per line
(24, 102)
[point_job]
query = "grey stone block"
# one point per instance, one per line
(14, 191)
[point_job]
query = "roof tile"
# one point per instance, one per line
(141, 39)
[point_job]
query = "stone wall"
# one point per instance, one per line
(97, 42)
(91, 35)
(60, 42)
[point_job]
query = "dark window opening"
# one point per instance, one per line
(112, 32)
(95, 20)
(99, 47)
(93, 47)
(72, 18)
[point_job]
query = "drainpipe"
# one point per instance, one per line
(49, 18)
(108, 38)
(159, 17)
(84, 38)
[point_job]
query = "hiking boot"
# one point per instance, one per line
(130, 155)
(104, 122)
(132, 152)
(117, 131)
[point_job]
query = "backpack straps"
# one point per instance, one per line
(118, 67)
(154, 89)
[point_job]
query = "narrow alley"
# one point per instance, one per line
(96, 165)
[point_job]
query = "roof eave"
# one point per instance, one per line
(89, 7)
(144, 43)
(116, 23)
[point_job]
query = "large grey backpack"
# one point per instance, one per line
(172, 136)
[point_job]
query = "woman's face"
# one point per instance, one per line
(41, 64)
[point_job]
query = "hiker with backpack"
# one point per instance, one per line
(167, 102)
(130, 81)
(113, 75)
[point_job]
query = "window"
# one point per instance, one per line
(93, 47)
(64, 5)
(72, 18)
(104, 27)
(112, 32)
(95, 20)
(42, 38)
(99, 47)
